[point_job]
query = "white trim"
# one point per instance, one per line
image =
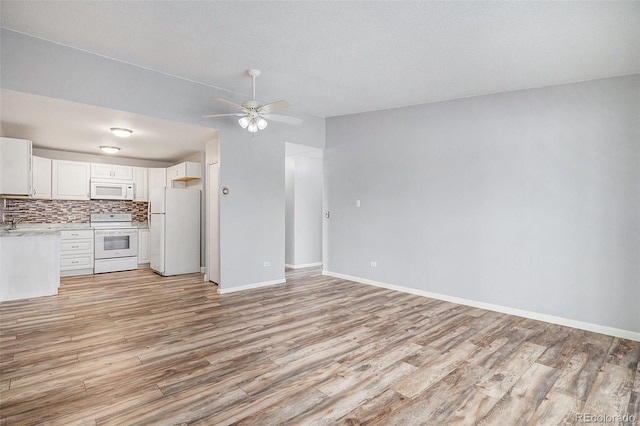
(249, 286)
(568, 322)
(304, 265)
(203, 270)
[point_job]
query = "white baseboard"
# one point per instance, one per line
(568, 322)
(304, 265)
(250, 286)
(203, 269)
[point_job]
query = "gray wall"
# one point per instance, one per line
(252, 168)
(252, 214)
(528, 199)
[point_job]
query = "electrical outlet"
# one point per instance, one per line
(374, 264)
(267, 263)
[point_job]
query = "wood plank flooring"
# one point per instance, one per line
(137, 348)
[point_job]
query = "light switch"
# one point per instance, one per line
(357, 203)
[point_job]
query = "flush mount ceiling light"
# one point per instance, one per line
(254, 114)
(110, 149)
(121, 132)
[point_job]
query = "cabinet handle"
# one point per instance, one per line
(75, 246)
(75, 261)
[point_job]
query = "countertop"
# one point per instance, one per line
(29, 232)
(30, 229)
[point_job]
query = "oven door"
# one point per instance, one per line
(112, 243)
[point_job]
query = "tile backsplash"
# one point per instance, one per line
(67, 211)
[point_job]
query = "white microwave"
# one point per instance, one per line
(110, 190)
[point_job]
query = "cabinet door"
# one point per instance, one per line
(100, 171)
(143, 245)
(140, 184)
(184, 171)
(70, 180)
(15, 166)
(122, 172)
(193, 170)
(41, 178)
(157, 178)
(111, 171)
(174, 172)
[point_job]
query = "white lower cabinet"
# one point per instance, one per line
(76, 252)
(143, 247)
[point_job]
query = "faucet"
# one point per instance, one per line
(14, 222)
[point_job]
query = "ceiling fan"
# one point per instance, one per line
(254, 116)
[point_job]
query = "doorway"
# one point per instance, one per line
(303, 206)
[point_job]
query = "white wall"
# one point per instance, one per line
(92, 158)
(212, 222)
(303, 211)
(308, 211)
(289, 210)
(528, 200)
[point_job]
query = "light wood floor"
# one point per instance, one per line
(133, 347)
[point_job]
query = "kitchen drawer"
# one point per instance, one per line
(76, 246)
(76, 234)
(84, 261)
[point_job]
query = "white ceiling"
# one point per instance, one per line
(335, 58)
(70, 126)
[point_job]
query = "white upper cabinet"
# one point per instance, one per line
(140, 184)
(187, 170)
(157, 178)
(111, 171)
(15, 166)
(41, 178)
(70, 180)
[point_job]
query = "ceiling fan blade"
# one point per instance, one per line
(274, 106)
(224, 101)
(222, 115)
(282, 119)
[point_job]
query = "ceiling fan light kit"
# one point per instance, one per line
(254, 115)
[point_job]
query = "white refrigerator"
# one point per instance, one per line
(174, 225)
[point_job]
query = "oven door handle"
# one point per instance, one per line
(112, 232)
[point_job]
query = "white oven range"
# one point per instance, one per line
(116, 242)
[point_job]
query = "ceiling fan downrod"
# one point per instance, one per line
(253, 73)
